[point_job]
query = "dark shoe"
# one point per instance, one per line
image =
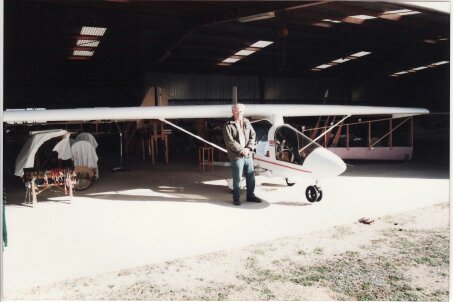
(236, 202)
(253, 199)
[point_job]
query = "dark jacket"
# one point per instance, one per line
(231, 138)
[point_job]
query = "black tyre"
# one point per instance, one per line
(319, 194)
(311, 193)
(82, 181)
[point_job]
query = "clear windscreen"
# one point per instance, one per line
(292, 146)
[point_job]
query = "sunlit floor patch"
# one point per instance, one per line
(102, 231)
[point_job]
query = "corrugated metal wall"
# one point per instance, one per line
(214, 89)
(204, 87)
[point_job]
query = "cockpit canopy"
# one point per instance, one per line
(288, 143)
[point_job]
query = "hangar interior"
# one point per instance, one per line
(120, 53)
(322, 52)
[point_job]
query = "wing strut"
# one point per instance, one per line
(328, 130)
(196, 136)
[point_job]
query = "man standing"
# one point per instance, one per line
(239, 139)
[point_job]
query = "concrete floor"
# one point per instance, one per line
(158, 213)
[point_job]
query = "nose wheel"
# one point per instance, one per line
(313, 193)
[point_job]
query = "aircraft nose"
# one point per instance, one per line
(324, 163)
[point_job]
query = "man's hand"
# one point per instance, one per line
(246, 152)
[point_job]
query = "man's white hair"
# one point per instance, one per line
(238, 106)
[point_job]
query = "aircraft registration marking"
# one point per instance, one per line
(285, 166)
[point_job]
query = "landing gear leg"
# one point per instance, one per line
(313, 193)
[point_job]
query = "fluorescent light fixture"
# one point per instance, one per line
(331, 21)
(244, 52)
(393, 75)
(324, 66)
(395, 15)
(413, 12)
(322, 24)
(401, 12)
(360, 54)
(87, 43)
(83, 53)
(396, 12)
(230, 60)
(440, 63)
(341, 60)
(93, 31)
(363, 17)
(401, 72)
(257, 17)
(223, 64)
(261, 44)
(419, 68)
(315, 69)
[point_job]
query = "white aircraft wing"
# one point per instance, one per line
(199, 111)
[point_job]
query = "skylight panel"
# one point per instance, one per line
(322, 24)
(261, 44)
(244, 52)
(230, 60)
(409, 13)
(331, 21)
(419, 68)
(93, 31)
(323, 66)
(396, 12)
(83, 53)
(363, 17)
(87, 43)
(360, 54)
(413, 70)
(440, 63)
(341, 60)
(395, 15)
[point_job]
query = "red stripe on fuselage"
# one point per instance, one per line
(273, 163)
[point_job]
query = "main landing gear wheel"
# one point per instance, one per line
(84, 177)
(288, 183)
(313, 193)
(82, 181)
